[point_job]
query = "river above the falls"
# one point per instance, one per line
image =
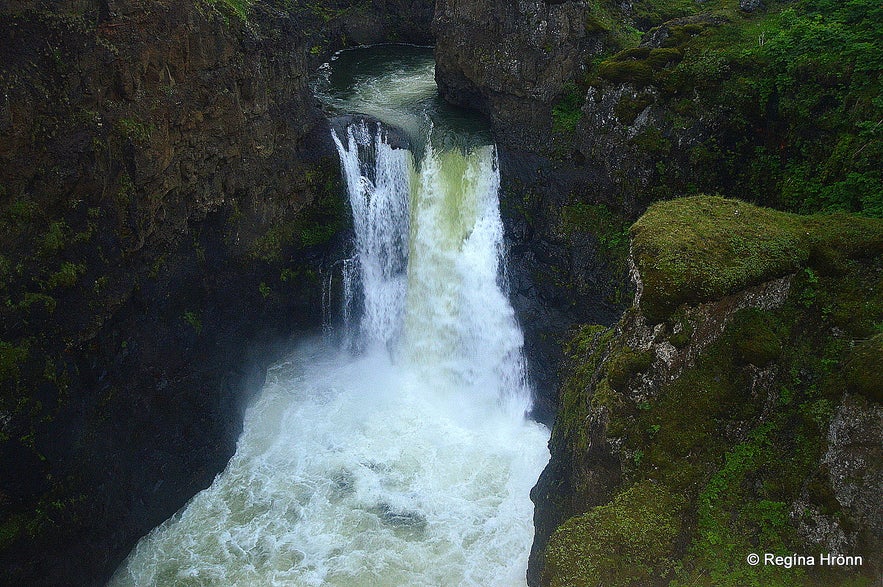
(397, 453)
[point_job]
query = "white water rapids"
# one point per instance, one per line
(407, 461)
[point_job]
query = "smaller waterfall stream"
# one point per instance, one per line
(405, 458)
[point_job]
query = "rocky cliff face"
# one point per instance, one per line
(511, 60)
(632, 103)
(170, 196)
(726, 412)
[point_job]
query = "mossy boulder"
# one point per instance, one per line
(705, 247)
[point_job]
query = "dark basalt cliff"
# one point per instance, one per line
(169, 196)
(511, 60)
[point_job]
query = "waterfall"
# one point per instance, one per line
(403, 458)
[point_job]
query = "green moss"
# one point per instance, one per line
(55, 238)
(30, 299)
(22, 210)
(604, 224)
(756, 342)
(311, 236)
(636, 72)
(10, 529)
(638, 65)
(593, 25)
(239, 8)
(193, 319)
(567, 112)
(632, 53)
(700, 248)
(11, 359)
(628, 108)
(651, 141)
(862, 369)
(66, 276)
(314, 225)
(134, 130)
(738, 449)
(627, 363)
(585, 350)
(630, 541)
(663, 57)
(681, 330)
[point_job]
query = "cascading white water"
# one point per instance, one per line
(409, 461)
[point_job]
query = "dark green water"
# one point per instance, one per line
(396, 84)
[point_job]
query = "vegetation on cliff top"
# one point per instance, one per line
(793, 89)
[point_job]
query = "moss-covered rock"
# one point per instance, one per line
(630, 541)
(626, 364)
(704, 247)
(862, 370)
(755, 340)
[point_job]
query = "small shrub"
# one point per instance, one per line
(567, 113)
(192, 318)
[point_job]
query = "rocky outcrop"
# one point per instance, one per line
(731, 421)
(566, 264)
(511, 60)
(169, 196)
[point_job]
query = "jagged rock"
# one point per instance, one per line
(511, 60)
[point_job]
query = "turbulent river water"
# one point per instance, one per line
(398, 453)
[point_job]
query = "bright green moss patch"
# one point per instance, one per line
(567, 112)
(702, 248)
(630, 541)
